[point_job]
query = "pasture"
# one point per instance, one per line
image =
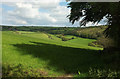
(35, 54)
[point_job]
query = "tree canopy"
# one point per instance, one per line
(94, 12)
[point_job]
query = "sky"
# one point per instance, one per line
(37, 13)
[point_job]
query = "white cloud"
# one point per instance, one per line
(18, 21)
(26, 10)
(0, 9)
(47, 1)
(35, 3)
(28, 13)
(60, 11)
(60, 14)
(89, 24)
(47, 17)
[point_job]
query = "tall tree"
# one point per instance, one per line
(94, 12)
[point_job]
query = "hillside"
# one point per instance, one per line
(26, 52)
(41, 54)
(92, 32)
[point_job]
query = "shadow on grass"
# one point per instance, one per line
(67, 59)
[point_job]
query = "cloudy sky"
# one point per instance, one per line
(36, 12)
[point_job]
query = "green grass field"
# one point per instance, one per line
(52, 57)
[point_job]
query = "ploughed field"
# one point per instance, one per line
(36, 54)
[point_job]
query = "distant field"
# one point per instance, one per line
(50, 56)
(92, 32)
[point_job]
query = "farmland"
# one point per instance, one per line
(42, 54)
(52, 57)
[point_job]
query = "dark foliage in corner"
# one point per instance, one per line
(94, 12)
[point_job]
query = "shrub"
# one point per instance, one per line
(103, 73)
(102, 42)
(20, 71)
(65, 39)
(105, 42)
(95, 44)
(59, 36)
(49, 36)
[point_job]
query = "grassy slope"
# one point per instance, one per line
(50, 55)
